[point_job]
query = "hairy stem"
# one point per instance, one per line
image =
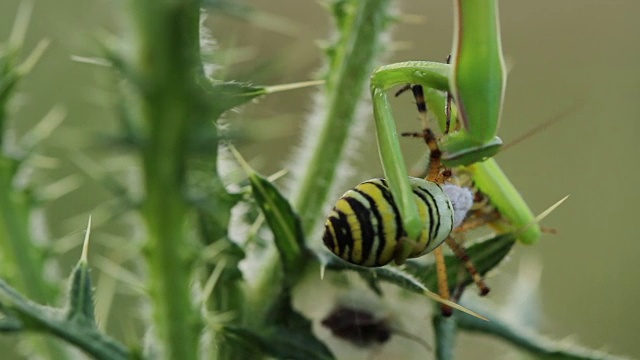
(349, 71)
(167, 68)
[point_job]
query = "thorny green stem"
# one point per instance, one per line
(351, 65)
(349, 73)
(168, 65)
(47, 320)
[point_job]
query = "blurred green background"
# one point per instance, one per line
(560, 53)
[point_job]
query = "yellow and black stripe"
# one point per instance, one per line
(365, 226)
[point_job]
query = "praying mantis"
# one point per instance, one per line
(476, 81)
(361, 227)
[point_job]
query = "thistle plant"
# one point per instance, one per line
(213, 295)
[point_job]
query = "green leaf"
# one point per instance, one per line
(291, 343)
(78, 327)
(389, 274)
(234, 8)
(227, 95)
(526, 338)
(485, 256)
(279, 342)
(292, 338)
(81, 307)
(283, 221)
(372, 282)
(8, 321)
(40, 318)
(81, 304)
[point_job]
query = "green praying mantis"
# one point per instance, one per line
(475, 80)
(400, 217)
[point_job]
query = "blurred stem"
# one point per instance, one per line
(446, 330)
(22, 263)
(351, 61)
(360, 26)
(168, 66)
(22, 260)
(20, 257)
(351, 65)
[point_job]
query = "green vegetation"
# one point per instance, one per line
(212, 294)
